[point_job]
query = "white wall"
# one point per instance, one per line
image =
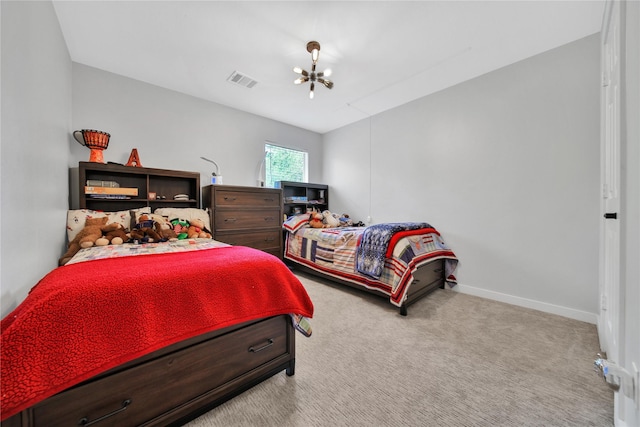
(36, 119)
(171, 130)
(506, 166)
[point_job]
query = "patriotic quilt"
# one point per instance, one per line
(334, 252)
(375, 242)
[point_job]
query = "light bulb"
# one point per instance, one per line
(297, 70)
(327, 72)
(315, 53)
(310, 94)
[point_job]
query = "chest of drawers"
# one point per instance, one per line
(246, 216)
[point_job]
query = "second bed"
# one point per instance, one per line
(402, 261)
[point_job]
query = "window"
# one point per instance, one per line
(284, 164)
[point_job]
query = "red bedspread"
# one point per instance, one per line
(86, 318)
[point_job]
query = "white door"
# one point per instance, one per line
(610, 304)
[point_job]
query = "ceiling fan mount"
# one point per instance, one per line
(313, 76)
(313, 45)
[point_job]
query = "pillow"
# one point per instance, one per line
(185, 213)
(296, 222)
(76, 219)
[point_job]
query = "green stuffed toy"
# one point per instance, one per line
(181, 227)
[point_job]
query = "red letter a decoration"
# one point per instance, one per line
(134, 160)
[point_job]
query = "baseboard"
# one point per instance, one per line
(528, 303)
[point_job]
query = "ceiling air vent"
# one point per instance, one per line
(242, 80)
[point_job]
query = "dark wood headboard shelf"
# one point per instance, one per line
(164, 183)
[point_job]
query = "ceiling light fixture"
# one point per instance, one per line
(313, 48)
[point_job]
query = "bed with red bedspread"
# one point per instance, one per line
(402, 261)
(88, 329)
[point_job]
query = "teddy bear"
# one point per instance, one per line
(316, 220)
(197, 229)
(143, 231)
(85, 238)
(165, 229)
(144, 235)
(113, 234)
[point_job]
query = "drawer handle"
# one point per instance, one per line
(229, 198)
(255, 350)
(85, 422)
(439, 270)
(269, 239)
(267, 199)
(229, 220)
(268, 218)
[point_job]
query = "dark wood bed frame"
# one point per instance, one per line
(176, 384)
(427, 278)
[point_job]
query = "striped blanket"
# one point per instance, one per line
(333, 251)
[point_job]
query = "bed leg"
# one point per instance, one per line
(403, 310)
(291, 370)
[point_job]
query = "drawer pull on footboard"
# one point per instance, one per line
(85, 422)
(255, 350)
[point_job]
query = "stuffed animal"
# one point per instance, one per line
(85, 238)
(165, 230)
(345, 221)
(330, 220)
(180, 227)
(113, 234)
(144, 235)
(197, 229)
(316, 220)
(143, 231)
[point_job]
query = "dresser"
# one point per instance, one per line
(246, 216)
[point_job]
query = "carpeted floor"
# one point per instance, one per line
(455, 360)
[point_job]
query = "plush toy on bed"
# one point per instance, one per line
(91, 232)
(112, 234)
(316, 220)
(330, 220)
(197, 229)
(165, 229)
(345, 221)
(143, 231)
(180, 227)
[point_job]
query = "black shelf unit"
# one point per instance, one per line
(162, 182)
(300, 196)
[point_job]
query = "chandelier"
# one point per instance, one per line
(313, 48)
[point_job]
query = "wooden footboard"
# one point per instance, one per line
(427, 278)
(176, 384)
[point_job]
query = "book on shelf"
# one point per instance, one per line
(109, 196)
(120, 191)
(295, 199)
(100, 183)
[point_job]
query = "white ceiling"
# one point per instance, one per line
(382, 53)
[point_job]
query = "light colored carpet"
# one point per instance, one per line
(455, 360)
